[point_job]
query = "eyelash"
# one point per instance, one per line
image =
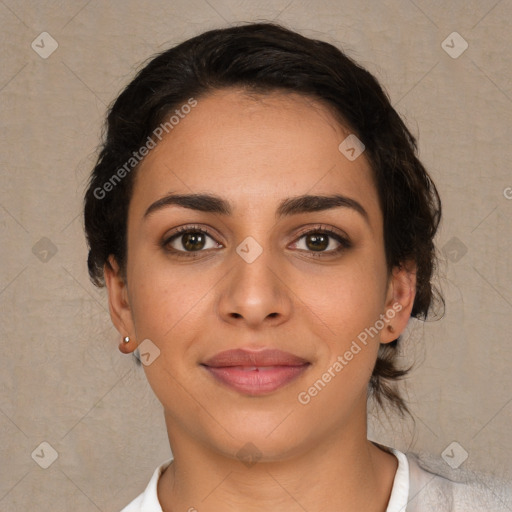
(344, 242)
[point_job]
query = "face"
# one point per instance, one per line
(255, 268)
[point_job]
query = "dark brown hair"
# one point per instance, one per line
(264, 58)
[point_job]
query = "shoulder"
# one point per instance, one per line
(434, 485)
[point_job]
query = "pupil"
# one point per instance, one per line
(193, 241)
(317, 242)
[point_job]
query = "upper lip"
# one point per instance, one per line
(243, 357)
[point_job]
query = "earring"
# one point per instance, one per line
(390, 328)
(126, 339)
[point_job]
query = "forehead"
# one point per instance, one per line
(254, 147)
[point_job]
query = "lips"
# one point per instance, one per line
(247, 358)
(255, 373)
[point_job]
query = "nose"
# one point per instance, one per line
(255, 294)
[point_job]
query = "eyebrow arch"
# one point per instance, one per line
(291, 206)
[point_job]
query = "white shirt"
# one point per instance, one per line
(421, 484)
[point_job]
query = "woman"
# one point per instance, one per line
(265, 231)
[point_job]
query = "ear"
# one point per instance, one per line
(118, 304)
(399, 301)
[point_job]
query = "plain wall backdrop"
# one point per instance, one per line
(62, 379)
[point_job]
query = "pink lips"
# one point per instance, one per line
(255, 373)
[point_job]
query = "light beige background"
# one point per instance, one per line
(62, 379)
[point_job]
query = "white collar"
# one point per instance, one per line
(400, 490)
(148, 500)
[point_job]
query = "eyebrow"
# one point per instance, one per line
(291, 206)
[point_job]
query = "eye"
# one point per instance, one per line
(190, 240)
(321, 241)
(187, 240)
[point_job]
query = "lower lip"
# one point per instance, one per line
(257, 382)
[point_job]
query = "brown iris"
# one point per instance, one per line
(193, 241)
(317, 241)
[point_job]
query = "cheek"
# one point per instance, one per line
(345, 307)
(166, 301)
(345, 299)
(170, 308)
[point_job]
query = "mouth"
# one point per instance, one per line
(255, 373)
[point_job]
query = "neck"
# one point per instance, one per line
(345, 472)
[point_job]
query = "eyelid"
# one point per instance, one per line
(322, 228)
(341, 237)
(181, 230)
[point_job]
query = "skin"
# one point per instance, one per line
(256, 151)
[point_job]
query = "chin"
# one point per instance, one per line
(266, 438)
